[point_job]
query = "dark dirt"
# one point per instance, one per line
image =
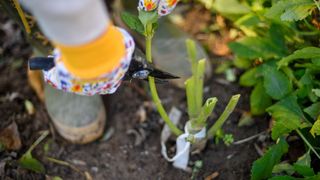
(118, 157)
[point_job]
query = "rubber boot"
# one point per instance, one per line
(78, 119)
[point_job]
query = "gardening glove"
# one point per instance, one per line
(103, 79)
(91, 55)
(165, 7)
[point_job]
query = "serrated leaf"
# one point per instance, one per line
(297, 13)
(313, 110)
(276, 83)
(249, 78)
(230, 7)
(305, 53)
(259, 100)
(28, 162)
(291, 10)
(132, 22)
(262, 168)
(287, 115)
(315, 130)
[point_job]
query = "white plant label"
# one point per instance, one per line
(181, 159)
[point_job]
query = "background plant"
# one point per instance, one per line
(279, 51)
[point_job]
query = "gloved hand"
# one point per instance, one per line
(61, 78)
(165, 7)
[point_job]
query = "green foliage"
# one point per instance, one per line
(133, 22)
(305, 53)
(249, 78)
(291, 10)
(262, 168)
(286, 110)
(315, 130)
(276, 83)
(255, 47)
(302, 166)
(259, 100)
(230, 7)
(281, 57)
(27, 161)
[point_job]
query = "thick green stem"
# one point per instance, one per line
(153, 88)
(224, 116)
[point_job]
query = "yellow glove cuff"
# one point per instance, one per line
(95, 58)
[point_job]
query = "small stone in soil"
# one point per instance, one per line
(94, 169)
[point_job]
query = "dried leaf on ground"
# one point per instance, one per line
(10, 137)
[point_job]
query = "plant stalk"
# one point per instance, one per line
(152, 85)
(224, 116)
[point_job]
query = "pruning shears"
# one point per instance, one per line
(139, 68)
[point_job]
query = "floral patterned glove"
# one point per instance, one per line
(165, 7)
(60, 78)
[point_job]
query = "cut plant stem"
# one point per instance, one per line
(224, 116)
(206, 111)
(152, 85)
(194, 85)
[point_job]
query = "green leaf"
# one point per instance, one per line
(276, 83)
(315, 177)
(287, 115)
(259, 100)
(248, 20)
(146, 17)
(28, 162)
(313, 110)
(291, 10)
(283, 167)
(316, 61)
(249, 78)
(315, 130)
(242, 63)
(132, 22)
(302, 166)
(305, 53)
(316, 92)
(277, 36)
(255, 47)
(262, 168)
(230, 7)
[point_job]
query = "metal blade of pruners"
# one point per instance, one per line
(139, 68)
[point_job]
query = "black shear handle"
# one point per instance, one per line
(41, 63)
